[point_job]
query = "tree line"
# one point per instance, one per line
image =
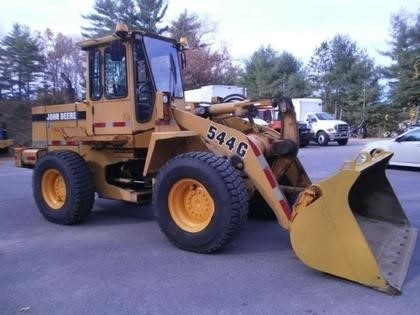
(48, 67)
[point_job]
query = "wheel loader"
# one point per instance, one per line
(135, 139)
(5, 142)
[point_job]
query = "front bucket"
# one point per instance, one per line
(353, 226)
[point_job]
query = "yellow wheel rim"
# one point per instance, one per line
(190, 205)
(54, 190)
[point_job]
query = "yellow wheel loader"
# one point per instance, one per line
(5, 142)
(135, 139)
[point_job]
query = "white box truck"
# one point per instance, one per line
(324, 126)
(206, 93)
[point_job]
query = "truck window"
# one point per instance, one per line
(267, 115)
(311, 118)
(95, 91)
(115, 75)
(145, 95)
(324, 116)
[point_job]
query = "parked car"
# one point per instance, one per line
(406, 148)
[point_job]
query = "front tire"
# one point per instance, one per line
(63, 187)
(200, 201)
(322, 138)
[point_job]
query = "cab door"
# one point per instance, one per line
(108, 90)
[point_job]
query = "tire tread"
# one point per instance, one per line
(81, 184)
(237, 190)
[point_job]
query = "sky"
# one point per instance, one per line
(295, 26)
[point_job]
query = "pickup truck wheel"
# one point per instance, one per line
(322, 138)
(342, 141)
(63, 187)
(200, 201)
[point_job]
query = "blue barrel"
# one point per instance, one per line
(3, 134)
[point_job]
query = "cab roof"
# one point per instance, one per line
(93, 42)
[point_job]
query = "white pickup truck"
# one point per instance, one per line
(324, 126)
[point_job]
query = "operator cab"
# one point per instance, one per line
(126, 69)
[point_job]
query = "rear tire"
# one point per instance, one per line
(322, 138)
(63, 187)
(200, 201)
(342, 141)
(304, 143)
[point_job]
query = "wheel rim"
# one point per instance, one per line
(190, 205)
(54, 190)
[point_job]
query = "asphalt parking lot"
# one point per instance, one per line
(118, 261)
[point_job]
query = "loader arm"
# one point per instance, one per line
(235, 144)
(347, 226)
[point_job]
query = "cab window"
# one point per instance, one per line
(95, 92)
(145, 92)
(115, 74)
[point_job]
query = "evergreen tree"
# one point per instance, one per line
(5, 76)
(344, 77)
(189, 25)
(21, 63)
(137, 14)
(151, 13)
(270, 74)
(404, 72)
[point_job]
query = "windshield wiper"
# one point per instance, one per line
(173, 69)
